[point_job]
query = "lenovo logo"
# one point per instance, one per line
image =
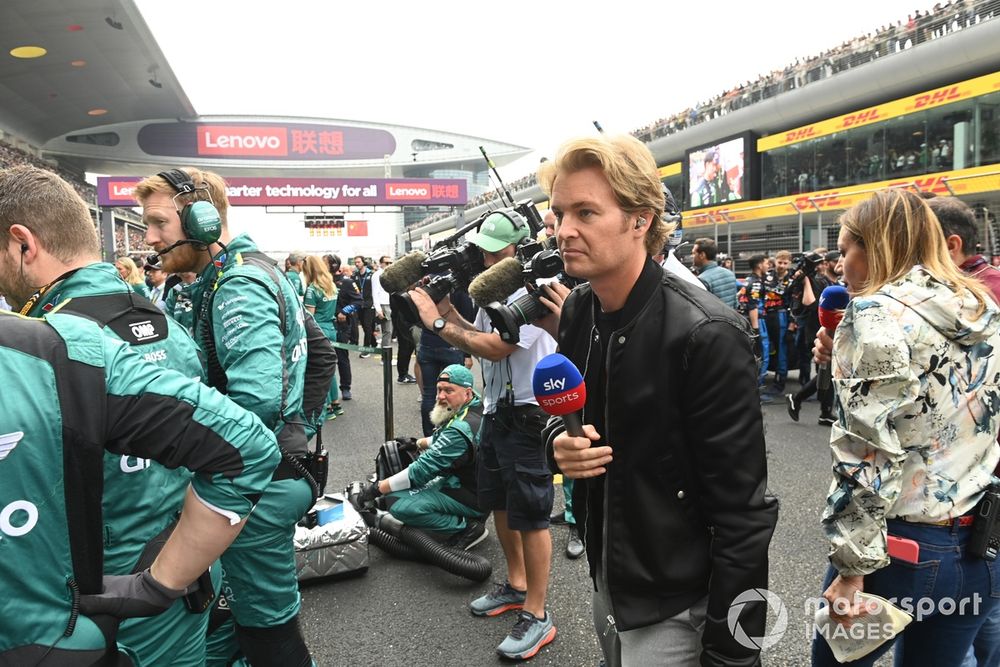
(407, 191)
(121, 190)
(242, 140)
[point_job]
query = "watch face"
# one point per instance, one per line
(438, 324)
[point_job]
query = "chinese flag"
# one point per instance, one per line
(357, 228)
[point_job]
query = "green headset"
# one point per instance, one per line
(200, 220)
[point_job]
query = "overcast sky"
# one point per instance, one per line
(529, 73)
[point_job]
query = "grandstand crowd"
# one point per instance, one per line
(918, 27)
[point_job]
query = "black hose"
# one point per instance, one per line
(453, 561)
(390, 534)
(392, 545)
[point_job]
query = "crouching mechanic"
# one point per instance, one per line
(438, 491)
(50, 227)
(70, 394)
(248, 321)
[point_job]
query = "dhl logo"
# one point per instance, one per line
(937, 97)
(861, 117)
(799, 135)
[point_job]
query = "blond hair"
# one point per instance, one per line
(209, 186)
(783, 254)
(49, 207)
(134, 276)
(630, 169)
(316, 272)
(898, 231)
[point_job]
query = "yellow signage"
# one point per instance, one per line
(668, 170)
(876, 114)
(963, 182)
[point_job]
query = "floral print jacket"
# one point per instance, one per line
(916, 379)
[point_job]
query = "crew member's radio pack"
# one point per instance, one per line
(331, 541)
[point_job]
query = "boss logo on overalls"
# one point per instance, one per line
(143, 330)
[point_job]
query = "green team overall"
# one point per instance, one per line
(437, 491)
(141, 497)
(70, 393)
(255, 351)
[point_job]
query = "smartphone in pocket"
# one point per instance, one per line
(901, 548)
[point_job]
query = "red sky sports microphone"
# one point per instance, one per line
(832, 303)
(559, 390)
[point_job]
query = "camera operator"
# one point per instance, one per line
(513, 475)
(671, 476)
(438, 490)
(809, 279)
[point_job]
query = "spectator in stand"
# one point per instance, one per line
(131, 274)
(320, 300)
(366, 310)
(719, 281)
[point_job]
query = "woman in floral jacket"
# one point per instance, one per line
(916, 367)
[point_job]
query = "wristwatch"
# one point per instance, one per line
(438, 324)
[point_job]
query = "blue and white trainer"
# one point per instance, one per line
(502, 598)
(527, 637)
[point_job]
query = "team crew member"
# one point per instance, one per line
(321, 301)
(70, 393)
(671, 476)
(293, 271)
(438, 490)
(776, 317)
(514, 480)
(254, 349)
(45, 216)
(366, 312)
(348, 303)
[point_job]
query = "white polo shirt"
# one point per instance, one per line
(518, 368)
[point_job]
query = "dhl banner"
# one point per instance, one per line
(930, 99)
(963, 182)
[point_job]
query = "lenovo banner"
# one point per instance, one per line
(266, 141)
(117, 191)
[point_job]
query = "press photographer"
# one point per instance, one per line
(813, 273)
(514, 480)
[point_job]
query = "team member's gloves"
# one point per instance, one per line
(130, 595)
(407, 444)
(368, 495)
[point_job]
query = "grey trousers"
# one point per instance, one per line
(674, 642)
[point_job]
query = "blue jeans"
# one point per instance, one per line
(940, 636)
(432, 361)
(765, 351)
(985, 650)
(777, 326)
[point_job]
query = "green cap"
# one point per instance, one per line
(457, 374)
(498, 231)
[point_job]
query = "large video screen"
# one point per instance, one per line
(718, 173)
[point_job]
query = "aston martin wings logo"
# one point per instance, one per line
(8, 441)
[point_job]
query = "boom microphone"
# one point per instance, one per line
(155, 257)
(832, 303)
(403, 272)
(497, 282)
(560, 390)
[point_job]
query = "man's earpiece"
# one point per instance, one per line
(24, 248)
(640, 222)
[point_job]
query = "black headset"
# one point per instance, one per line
(200, 220)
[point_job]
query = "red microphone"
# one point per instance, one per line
(832, 303)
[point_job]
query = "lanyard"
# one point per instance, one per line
(37, 296)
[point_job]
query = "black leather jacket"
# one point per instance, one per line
(683, 510)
